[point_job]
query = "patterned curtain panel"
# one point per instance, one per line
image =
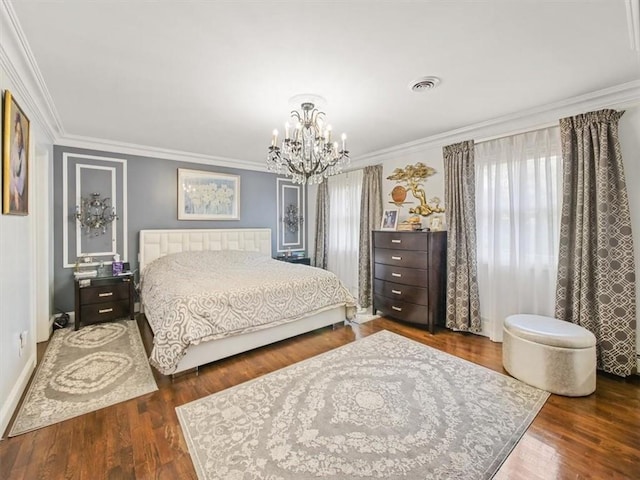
(596, 271)
(370, 217)
(322, 226)
(463, 303)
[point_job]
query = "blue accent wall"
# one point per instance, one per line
(152, 202)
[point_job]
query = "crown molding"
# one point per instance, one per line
(619, 96)
(17, 60)
(110, 146)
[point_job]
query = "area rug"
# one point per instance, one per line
(85, 370)
(382, 407)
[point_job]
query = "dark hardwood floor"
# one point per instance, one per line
(571, 438)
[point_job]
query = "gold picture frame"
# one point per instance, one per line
(15, 157)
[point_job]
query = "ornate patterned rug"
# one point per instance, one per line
(85, 370)
(382, 407)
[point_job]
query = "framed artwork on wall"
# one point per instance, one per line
(389, 219)
(15, 158)
(206, 195)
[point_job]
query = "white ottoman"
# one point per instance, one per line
(550, 354)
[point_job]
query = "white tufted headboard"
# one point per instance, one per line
(158, 243)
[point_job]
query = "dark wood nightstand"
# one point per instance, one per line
(103, 299)
(293, 259)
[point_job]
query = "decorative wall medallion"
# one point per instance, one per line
(92, 373)
(94, 337)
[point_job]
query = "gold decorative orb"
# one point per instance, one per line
(399, 194)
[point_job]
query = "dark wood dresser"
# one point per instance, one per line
(409, 276)
(104, 299)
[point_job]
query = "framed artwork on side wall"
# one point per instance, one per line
(15, 158)
(206, 195)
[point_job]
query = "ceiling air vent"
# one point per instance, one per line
(423, 84)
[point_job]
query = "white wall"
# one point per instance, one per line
(433, 186)
(25, 242)
(17, 289)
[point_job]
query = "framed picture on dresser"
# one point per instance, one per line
(389, 219)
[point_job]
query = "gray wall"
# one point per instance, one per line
(152, 203)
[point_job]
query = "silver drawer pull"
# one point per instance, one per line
(396, 241)
(107, 294)
(396, 258)
(105, 310)
(397, 292)
(394, 274)
(397, 309)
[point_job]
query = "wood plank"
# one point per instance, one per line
(571, 438)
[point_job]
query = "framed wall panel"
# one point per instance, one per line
(84, 175)
(291, 234)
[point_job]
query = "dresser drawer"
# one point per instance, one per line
(104, 293)
(406, 311)
(404, 275)
(99, 312)
(404, 293)
(401, 241)
(408, 258)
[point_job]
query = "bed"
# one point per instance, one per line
(195, 321)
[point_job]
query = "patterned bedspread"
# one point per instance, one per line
(191, 297)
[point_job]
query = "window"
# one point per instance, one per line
(345, 191)
(518, 205)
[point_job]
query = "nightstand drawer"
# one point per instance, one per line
(404, 275)
(99, 312)
(400, 240)
(402, 310)
(407, 258)
(104, 293)
(404, 293)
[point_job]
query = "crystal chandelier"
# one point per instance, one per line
(95, 214)
(308, 154)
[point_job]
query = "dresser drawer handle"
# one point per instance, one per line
(106, 294)
(396, 241)
(394, 274)
(105, 310)
(398, 309)
(397, 292)
(396, 258)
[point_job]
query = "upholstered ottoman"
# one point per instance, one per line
(550, 354)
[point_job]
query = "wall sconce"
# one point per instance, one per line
(95, 214)
(291, 219)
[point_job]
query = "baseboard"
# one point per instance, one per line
(18, 389)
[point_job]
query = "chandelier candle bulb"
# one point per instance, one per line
(286, 131)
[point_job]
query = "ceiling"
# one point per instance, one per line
(215, 78)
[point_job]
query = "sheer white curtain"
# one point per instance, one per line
(344, 227)
(518, 203)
